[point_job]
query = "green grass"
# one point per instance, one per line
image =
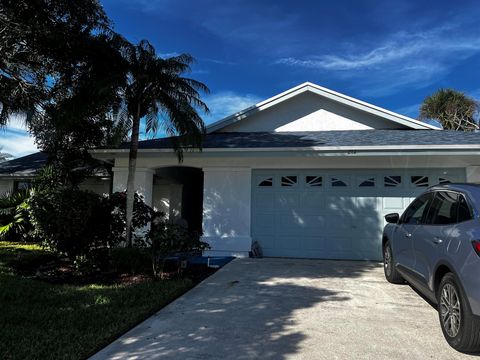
(39, 320)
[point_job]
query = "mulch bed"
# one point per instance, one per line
(63, 271)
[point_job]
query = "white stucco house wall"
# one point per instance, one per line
(308, 173)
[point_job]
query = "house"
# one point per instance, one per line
(18, 174)
(308, 173)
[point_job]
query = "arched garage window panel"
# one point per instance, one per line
(419, 181)
(392, 181)
(266, 182)
(336, 182)
(367, 182)
(314, 181)
(442, 181)
(288, 181)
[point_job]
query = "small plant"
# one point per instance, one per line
(172, 240)
(14, 219)
(142, 215)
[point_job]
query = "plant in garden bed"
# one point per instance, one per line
(14, 219)
(172, 240)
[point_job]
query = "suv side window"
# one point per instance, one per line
(464, 213)
(415, 212)
(444, 209)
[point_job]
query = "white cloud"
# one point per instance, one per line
(168, 55)
(416, 59)
(17, 142)
(225, 103)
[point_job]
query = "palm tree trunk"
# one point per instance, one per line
(132, 165)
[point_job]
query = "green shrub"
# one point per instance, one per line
(70, 221)
(14, 217)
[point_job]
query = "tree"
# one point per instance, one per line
(68, 143)
(453, 109)
(157, 92)
(60, 67)
(55, 52)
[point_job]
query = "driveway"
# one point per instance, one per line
(290, 309)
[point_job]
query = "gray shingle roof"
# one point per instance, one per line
(28, 165)
(325, 138)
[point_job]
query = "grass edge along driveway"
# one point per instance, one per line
(41, 320)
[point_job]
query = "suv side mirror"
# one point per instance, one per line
(392, 218)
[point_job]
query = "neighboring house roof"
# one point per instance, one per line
(327, 93)
(24, 166)
(382, 139)
(27, 166)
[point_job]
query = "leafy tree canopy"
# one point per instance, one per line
(61, 66)
(453, 109)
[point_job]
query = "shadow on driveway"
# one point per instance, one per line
(244, 311)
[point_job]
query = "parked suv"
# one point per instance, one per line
(435, 246)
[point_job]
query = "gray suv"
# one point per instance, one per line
(435, 246)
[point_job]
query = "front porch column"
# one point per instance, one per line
(143, 182)
(226, 210)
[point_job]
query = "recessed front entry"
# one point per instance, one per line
(333, 214)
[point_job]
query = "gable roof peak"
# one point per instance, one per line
(327, 93)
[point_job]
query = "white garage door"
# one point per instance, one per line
(334, 214)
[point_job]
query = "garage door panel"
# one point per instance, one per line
(287, 201)
(312, 200)
(263, 224)
(333, 214)
(287, 242)
(393, 203)
(300, 224)
(316, 242)
(265, 202)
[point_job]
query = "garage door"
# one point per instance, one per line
(332, 214)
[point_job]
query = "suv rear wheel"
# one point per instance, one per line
(459, 326)
(391, 273)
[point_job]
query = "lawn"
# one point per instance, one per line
(41, 320)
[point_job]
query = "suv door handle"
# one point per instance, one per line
(437, 240)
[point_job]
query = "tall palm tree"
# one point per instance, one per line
(157, 92)
(453, 109)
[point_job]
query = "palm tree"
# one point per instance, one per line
(453, 109)
(156, 91)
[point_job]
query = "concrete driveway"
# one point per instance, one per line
(290, 309)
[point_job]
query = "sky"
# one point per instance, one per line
(389, 53)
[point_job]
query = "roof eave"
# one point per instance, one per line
(467, 148)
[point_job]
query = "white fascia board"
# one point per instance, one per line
(391, 149)
(330, 94)
(16, 176)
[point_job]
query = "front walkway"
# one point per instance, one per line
(290, 309)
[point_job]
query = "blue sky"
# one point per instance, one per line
(389, 53)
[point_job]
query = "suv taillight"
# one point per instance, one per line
(476, 246)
